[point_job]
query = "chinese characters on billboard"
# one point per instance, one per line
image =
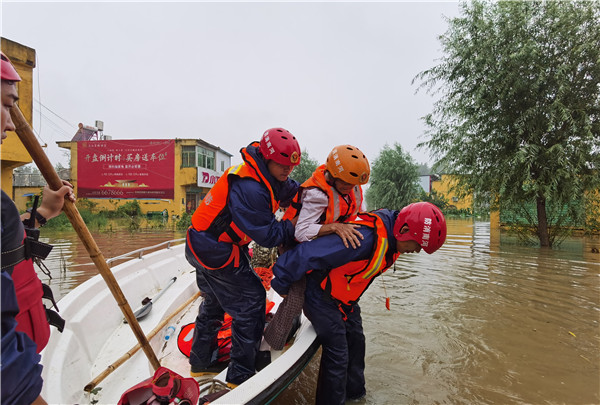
(140, 168)
(207, 178)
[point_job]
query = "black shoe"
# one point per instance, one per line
(358, 398)
(213, 369)
(263, 359)
(295, 327)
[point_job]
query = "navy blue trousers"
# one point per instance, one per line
(239, 292)
(341, 374)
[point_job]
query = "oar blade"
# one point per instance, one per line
(142, 312)
(147, 302)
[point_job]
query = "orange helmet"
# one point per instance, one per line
(348, 163)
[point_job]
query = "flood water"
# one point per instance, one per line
(70, 264)
(481, 321)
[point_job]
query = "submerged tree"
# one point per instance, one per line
(305, 169)
(519, 110)
(394, 181)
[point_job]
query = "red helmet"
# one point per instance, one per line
(7, 70)
(280, 145)
(426, 225)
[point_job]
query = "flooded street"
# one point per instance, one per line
(70, 264)
(481, 321)
(488, 323)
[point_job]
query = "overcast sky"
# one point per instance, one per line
(331, 73)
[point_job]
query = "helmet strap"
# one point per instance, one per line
(329, 178)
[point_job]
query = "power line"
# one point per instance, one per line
(64, 120)
(56, 127)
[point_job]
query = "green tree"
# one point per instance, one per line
(394, 181)
(423, 169)
(130, 209)
(305, 169)
(518, 113)
(437, 199)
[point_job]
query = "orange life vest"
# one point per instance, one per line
(339, 208)
(207, 216)
(348, 282)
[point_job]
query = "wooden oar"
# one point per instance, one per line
(30, 142)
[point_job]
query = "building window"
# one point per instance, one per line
(206, 158)
(188, 156)
(222, 165)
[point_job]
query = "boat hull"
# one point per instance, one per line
(95, 336)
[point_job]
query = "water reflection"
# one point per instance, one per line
(481, 321)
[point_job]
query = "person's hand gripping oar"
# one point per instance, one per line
(146, 307)
(34, 148)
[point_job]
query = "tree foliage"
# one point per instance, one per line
(518, 113)
(305, 169)
(424, 169)
(394, 181)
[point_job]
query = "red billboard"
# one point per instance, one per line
(140, 168)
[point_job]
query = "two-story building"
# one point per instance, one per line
(162, 174)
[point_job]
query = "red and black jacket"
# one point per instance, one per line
(33, 317)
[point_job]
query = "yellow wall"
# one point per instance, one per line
(14, 153)
(444, 188)
(23, 202)
(592, 210)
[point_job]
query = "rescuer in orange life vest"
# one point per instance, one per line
(25, 328)
(338, 276)
(239, 208)
(325, 203)
(331, 197)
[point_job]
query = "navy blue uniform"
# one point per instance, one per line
(237, 290)
(338, 326)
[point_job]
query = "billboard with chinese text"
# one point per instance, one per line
(134, 168)
(207, 178)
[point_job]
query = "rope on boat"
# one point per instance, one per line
(91, 385)
(214, 389)
(213, 385)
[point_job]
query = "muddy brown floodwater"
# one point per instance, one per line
(481, 321)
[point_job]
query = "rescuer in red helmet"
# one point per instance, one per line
(239, 208)
(25, 329)
(336, 277)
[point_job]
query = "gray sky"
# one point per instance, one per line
(331, 73)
